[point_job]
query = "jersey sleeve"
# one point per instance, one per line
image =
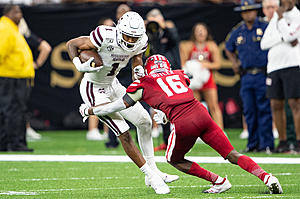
(96, 36)
(134, 86)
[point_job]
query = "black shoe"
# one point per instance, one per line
(20, 149)
(248, 150)
(283, 147)
(297, 146)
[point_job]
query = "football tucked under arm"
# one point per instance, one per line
(85, 55)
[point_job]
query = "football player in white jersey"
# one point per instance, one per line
(116, 46)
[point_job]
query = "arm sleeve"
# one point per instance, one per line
(96, 36)
(112, 107)
(289, 33)
(271, 35)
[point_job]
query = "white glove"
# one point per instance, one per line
(139, 72)
(86, 66)
(160, 117)
(83, 110)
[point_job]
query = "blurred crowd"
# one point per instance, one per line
(163, 2)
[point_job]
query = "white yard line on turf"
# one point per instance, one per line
(40, 191)
(119, 158)
(113, 178)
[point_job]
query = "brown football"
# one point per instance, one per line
(85, 55)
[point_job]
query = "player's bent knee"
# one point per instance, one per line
(144, 122)
(233, 156)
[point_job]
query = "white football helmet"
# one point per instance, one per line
(130, 24)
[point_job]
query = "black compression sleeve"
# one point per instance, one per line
(128, 100)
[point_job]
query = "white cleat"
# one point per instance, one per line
(159, 186)
(95, 134)
(167, 178)
(273, 184)
(31, 134)
(244, 134)
(219, 187)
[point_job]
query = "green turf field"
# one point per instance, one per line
(124, 180)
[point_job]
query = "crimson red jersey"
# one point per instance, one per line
(166, 91)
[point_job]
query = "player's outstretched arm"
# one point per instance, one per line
(115, 106)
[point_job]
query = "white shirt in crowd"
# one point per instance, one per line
(277, 38)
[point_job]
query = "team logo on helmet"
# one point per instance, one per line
(157, 63)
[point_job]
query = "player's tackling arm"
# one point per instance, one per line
(129, 99)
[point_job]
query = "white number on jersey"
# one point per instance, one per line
(174, 82)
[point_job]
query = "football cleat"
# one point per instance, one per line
(219, 187)
(273, 184)
(167, 178)
(159, 186)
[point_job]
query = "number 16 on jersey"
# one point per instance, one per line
(174, 82)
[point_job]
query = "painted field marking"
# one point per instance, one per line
(120, 158)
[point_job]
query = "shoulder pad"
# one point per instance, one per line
(100, 34)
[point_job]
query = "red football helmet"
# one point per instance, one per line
(156, 64)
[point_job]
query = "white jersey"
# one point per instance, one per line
(113, 56)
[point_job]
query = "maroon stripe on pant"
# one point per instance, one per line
(92, 94)
(87, 93)
(110, 124)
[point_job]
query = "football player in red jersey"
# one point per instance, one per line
(168, 91)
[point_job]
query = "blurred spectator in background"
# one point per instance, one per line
(41, 50)
(245, 39)
(93, 131)
(16, 79)
(122, 9)
(282, 38)
(163, 39)
(206, 56)
(269, 7)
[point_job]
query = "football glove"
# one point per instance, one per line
(85, 66)
(83, 110)
(160, 117)
(139, 72)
